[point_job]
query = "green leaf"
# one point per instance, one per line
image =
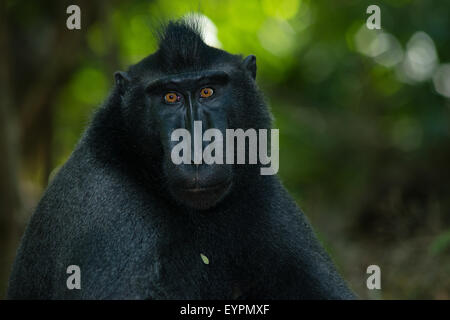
(204, 258)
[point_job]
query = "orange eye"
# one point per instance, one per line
(171, 97)
(206, 92)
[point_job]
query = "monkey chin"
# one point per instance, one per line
(203, 197)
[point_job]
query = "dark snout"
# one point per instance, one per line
(197, 185)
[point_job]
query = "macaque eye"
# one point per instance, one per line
(171, 97)
(206, 92)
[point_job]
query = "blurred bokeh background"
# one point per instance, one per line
(363, 115)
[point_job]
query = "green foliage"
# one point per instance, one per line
(440, 243)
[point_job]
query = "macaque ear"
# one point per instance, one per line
(249, 64)
(121, 79)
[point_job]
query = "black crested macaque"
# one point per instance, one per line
(141, 227)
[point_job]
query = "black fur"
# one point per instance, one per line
(112, 211)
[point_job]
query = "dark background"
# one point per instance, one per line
(363, 115)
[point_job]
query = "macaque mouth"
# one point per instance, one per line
(216, 187)
(203, 196)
